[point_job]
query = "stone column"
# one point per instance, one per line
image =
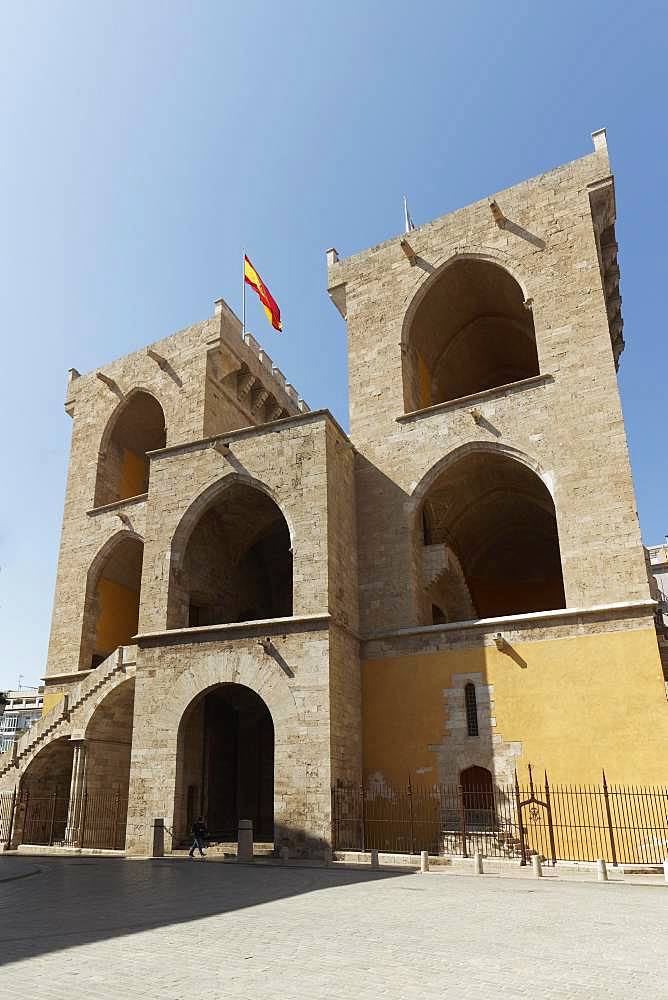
(73, 830)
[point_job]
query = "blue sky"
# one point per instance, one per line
(143, 144)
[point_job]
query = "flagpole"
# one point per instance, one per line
(406, 229)
(243, 291)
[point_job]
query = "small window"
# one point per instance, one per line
(471, 710)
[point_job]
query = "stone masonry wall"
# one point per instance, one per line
(293, 682)
(567, 425)
(288, 461)
(177, 371)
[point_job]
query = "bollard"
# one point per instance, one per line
(536, 866)
(424, 861)
(477, 863)
(245, 840)
(284, 854)
(374, 858)
(601, 870)
(158, 838)
(665, 869)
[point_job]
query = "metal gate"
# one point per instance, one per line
(101, 823)
(535, 819)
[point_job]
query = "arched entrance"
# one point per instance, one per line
(225, 764)
(104, 779)
(477, 797)
(45, 795)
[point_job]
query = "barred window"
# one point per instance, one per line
(471, 710)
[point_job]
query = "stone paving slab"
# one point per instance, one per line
(106, 928)
(12, 868)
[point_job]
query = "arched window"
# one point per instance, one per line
(236, 563)
(470, 332)
(494, 547)
(471, 710)
(137, 427)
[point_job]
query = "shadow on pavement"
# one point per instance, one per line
(76, 901)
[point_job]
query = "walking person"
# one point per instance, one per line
(198, 834)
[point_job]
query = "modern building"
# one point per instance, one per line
(658, 567)
(21, 709)
(254, 607)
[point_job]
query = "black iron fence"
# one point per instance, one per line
(46, 820)
(622, 825)
(7, 812)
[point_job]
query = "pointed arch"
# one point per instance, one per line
(111, 602)
(466, 329)
(485, 522)
(225, 762)
(231, 557)
(136, 427)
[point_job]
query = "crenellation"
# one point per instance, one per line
(314, 604)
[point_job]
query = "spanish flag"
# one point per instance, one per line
(252, 278)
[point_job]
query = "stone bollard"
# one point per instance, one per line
(284, 853)
(374, 858)
(424, 861)
(601, 870)
(536, 866)
(245, 840)
(477, 863)
(665, 869)
(158, 838)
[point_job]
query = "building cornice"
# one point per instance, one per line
(534, 618)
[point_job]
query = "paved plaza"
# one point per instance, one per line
(177, 930)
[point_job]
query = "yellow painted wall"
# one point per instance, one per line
(133, 475)
(50, 700)
(579, 705)
(118, 618)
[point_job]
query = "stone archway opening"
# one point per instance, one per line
(137, 427)
(225, 764)
(237, 563)
(470, 331)
(489, 542)
(45, 795)
(100, 790)
(111, 612)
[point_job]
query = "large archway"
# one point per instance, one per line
(235, 564)
(489, 541)
(111, 609)
(469, 332)
(136, 427)
(105, 777)
(225, 764)
(45, 795)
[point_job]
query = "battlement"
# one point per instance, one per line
(212, 359)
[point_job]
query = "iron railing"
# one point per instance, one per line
(622, 825)
(43, 820)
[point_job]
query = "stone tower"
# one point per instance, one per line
(494, 493)
(203, 656)
(255, 612)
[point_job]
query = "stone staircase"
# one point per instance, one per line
(59, 716)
